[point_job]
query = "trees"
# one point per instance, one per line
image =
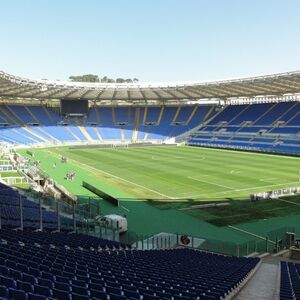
(104, 79)
(85, 78)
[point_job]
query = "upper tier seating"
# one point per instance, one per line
(29, 270)
(271, 127)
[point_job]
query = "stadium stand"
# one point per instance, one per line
(290, 281)
(50, 264)
(25, 124)
(36, 265)
(270, 127)
(11, 201)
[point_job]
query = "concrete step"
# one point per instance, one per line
(263, 285)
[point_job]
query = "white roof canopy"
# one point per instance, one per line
(277, 84)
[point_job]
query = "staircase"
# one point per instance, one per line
(184, 136)
(113, 115)
(191, 115)
(45, 133)
(14, 119)
(49, 115)
(122, 135)
(83, 131)
(176, 115)
(160, 115)
(97, 115)
(72, 133)
(136, 125)
(264, 283)
(31, 114)
(145, 115)
(98, 134)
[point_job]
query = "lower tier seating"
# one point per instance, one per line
(10, 212)
(290, 281)
(34, 270)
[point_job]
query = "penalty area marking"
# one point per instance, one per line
(212, 183)
(268, 180)
(237, 190)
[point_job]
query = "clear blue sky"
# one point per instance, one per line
(153, 40)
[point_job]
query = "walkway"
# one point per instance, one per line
(263, 285)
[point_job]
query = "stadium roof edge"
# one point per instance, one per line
(274, 84)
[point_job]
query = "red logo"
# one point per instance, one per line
(184, 240)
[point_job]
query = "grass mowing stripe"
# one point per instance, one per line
(167, 173)
(216, 163)
(120, 178)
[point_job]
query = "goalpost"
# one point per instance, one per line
(115, 146)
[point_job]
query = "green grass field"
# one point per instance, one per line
(183, 173)
(9, 174)
(155, 183)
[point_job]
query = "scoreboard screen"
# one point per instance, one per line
(73, 106)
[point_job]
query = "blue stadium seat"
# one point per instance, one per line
(122, 274)
(61, 294)
(3, 291)
(42, 290)
(32, 296)
(17, 294)
(79, 297)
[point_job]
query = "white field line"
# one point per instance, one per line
(236, 190)
(287, 201)
(125, 208)
(235, 172)
(250, 233)
(270, 185)
(117, 177)
(243, 152)
(268, 180)
(212, 183)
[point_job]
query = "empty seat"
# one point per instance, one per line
(42, 290)
(61, 295)
(8, 282)
(25, 286)
(45, 282)
(29, 278)
(79, 297)
(79, 290)
(17, 294)
(3, 291)
(32, 296)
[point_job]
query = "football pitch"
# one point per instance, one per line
(163, 182)
(185, 173)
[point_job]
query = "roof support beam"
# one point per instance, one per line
(99, 94)
(84, 93)
(201, 92)
(114, 94)
(55, 93)
(68, 94)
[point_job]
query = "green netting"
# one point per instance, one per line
(274, 241)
